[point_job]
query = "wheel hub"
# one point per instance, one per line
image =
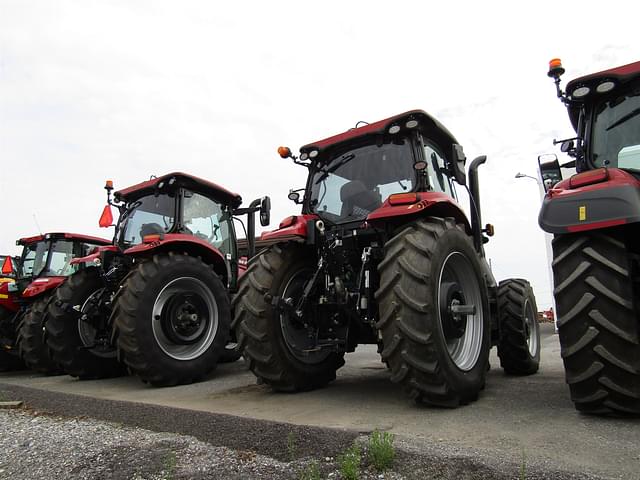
(182, 317)
(453, 310)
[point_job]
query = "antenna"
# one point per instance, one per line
(35, 220)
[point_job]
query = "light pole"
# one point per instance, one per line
(547, 240)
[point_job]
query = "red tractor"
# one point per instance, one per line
(383, 254)
(45, 263)
(158, 298)
(595, 219)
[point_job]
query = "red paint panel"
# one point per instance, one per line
(95, 254)
(595, 225)
(298, 228)
(617, 178)
(42, 285)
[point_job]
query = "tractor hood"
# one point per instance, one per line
(175, 180)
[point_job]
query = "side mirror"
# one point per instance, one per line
(7, 266)
(549, 170)
(106, 219)
(265, 211)
(457, 164)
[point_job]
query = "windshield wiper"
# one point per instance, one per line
(623, 119)
(333, 168)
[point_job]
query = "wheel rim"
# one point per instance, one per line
(301, 340)
(86, 330)
(184, 318)
(460, 310)
(531, 327)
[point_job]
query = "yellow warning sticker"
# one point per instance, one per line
(582, 213)
(3, 296)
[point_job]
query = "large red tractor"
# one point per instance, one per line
(595, 219)
(158, 298)
(383, 254)
(45, 263)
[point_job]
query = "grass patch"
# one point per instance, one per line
(310, 472)
(291, 446)
(349, 462)
(169, 465)
(380, 451)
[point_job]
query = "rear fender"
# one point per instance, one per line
(427, 204)
(42, 285)
(291, 228)
(183, 243)
(612, 202)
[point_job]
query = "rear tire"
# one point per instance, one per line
(440, 358)
(519, 346)
(280, 271)
(69, 338)
(173, 320)
(31, 338)
(598, 321)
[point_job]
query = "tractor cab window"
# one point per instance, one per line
(209, 221)
(615, 138)
(34, 259)
(437, 171)
(350, 185)
(60, 255)
(147, 216)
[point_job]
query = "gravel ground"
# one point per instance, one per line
(36, 445)
(66, 436)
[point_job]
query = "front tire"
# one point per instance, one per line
(9, 358)
(173, 320)
(519, 345)
(70, 338)
(31, 338)
(269, 338)
(434, 314)
(598, 321)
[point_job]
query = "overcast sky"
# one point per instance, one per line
(123, 90)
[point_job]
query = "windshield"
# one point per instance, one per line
(146, 216)
(354, 183)
(209, 221)
(52, 258)
(616, 132)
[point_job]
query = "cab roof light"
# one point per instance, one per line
(555, 68)
(403, 198)
(589, 178)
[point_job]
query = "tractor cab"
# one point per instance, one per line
(604, 109)
(48, 256)
(353, 174)
(177, 208)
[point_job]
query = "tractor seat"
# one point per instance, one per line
(357, 200)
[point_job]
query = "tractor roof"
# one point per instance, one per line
(429, 126)
(619, 75)
(63, 235)
(175, 180)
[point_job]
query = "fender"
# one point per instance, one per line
(610, 198)
(8, 298)
(291, 228)
(181, 242)
(96, 254)
(418, 204)
(42, 285)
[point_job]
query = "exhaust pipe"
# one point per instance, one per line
(474, 190)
